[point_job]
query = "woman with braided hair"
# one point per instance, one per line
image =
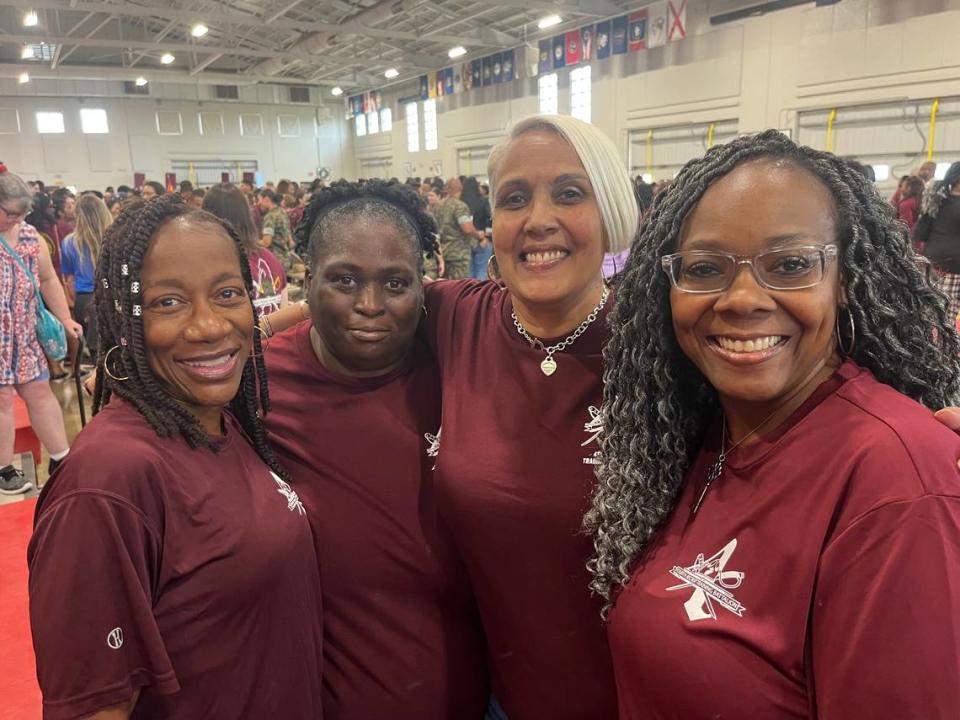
(186, 556)
(355, 411)
(938, 233)
(777, 521)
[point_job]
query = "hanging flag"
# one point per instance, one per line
(559, 54)
(432, 84)
(477, 72)
(487, 70)
(424, 93)
(497, 68)
(377, 100)
(546, 60)
(573, 47)
(619, 35)
(586, 43)
(657, 24)
(467, 72)
(509, 69)
(458, 79)
(448, 81)
(638, 30)
(677, 20)
(603, 39)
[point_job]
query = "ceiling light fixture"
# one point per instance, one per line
(27, 52)
(199, 30)
(458, 51)
(30, 18)
(23, 78)
(391, 73)
(167, 58)
(549, 21)
(337, 91)
(141, 81)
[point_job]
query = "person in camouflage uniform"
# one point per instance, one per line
(276, 228)
(458, 236)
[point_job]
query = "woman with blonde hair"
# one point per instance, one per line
(79, 261)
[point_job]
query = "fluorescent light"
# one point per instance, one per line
(549, 21)
(167, 58)
(27, 52)
(199, 30)
(882, 172)
(391, 73)
(30, 19)
(337, 91)
(141, 81)
(456, 52)
(23, 78)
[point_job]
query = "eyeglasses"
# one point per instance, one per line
(15, 215)
(793, 268)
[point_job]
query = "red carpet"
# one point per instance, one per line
(18, 681)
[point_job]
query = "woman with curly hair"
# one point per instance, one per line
(777, 521)
(355, 412)
(187, 559)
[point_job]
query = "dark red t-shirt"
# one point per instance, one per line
(514, 478)
(190, 574)
(819, 578)
(402, 638)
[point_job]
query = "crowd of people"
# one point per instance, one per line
(673, 456)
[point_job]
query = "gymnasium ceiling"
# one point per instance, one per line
(346, 43)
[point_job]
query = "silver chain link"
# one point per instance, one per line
(569, 340)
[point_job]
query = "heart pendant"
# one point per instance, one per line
(548, 366)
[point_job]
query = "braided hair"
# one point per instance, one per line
(334, 207)
(120, 324)
(939, 193)
(658, 405)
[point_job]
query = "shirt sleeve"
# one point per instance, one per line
(885, 629)
(268, 227)
(94, 565)
(68, 257)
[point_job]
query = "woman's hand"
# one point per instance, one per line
(73, 328)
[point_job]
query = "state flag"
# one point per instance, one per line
(657, 24)
(586, 43)
(487, 70)
(638, 30)
(509, 66)
(619, 35)
(546, 61)
(603, 39)
(676, 20)
(497, 68)
(573, 47)
(559, 52)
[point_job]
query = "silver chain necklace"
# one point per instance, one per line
(549, 366)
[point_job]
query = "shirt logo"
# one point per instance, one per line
(593, 427)
(433, 445)
(293, 500)
(115, 639)
(711, 582)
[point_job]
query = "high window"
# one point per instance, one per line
(580, 93)
(547, 86)
(413, 127)
(430, 136)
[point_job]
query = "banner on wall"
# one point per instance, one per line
(603, 39)
(509, 66)
(424, 92)
(586, 43)
(476, 71)
(619, 35)
(559, 51)
(487, 71)
(676, 20)
(657, 24)
(448, 81)
(467, 72)
(458, 86)
(546, 61)
(497, 68)
(638, 30)
(432, 84)
(573, 47)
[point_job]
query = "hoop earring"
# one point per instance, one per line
(493, 271)
(106, 367)
(853, 333)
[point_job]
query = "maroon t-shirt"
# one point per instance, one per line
(190, 574)
(819, 578)
(402, 638)
(514, 477)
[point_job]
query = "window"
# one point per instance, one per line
(361, 122)
(430, 140)
(413, 127)
(548, 94)
(373, 123)
(50, 123)
(386, 120)
(882, 172)
(93, 121)
(580, 93)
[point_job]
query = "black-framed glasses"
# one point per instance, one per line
(15, 215)
(790, 268)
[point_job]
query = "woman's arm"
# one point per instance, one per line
(53, 294)
(284, 318)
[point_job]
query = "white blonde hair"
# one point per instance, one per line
(619, 212)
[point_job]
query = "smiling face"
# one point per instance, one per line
(197, 316)
(548, 235)
(761, 205)
(365, 298)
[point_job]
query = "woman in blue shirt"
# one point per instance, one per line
(79, 259)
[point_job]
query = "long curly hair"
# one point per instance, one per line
(658, 405)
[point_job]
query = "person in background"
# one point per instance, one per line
(114, 205)
(152, 189)
(778, 513)
(266, 273)
(275, 234)
(81, 249)
(926, 172)
(480, 253)
(186, 190)
(196, 198)
(23, 366)
(65, 205)
(458, 234)
(124, 191)
(188, 559)
(109, 193)
(908, 209)
(938, 231)
(901, 189)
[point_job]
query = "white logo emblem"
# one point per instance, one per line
(293, 500)
(710, 582)
(433, 444)
(594, 427)
(115, 638)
